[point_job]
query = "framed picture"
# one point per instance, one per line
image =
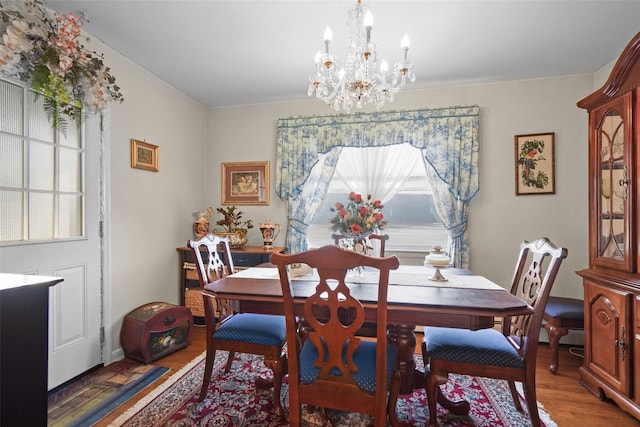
(245, 183)
(144, 155)
(535, 163)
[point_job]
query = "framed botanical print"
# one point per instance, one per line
(535, 163)
(245, 183)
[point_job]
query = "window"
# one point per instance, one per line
(41, 171)
(414, 223)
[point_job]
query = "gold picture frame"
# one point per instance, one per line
(245, 183)
(144, 155)
(535, 163)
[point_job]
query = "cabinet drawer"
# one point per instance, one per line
(248, 259)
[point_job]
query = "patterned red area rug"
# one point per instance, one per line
(233, 400)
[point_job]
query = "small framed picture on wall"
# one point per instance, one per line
(144, 155)
(245, 183)
(535, 163)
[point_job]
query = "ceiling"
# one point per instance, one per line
(230, 53)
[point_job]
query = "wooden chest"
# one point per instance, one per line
(154, 330)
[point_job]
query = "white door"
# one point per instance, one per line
(75, 313)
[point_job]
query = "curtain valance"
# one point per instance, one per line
(437, 132)
(446, 137)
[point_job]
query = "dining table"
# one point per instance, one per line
(461, 300)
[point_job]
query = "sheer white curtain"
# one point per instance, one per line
(379, 171)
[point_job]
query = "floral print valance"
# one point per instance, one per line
(447, 136)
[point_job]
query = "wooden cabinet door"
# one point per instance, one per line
(636, 349)
(608, 351)
(612, 185)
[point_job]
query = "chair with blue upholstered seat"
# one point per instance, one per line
(561, 314)
(329, 365)
(252, 333)
(509, 354)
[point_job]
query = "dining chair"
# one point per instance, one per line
(259, 334)
(381, 238)
(329, 365)
(369, 328)
(509, 354)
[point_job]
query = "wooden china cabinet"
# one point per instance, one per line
(611, 365)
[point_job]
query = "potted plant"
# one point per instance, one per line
(234, 227)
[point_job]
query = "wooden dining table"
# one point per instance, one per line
(464, 300)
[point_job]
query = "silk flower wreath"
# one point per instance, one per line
(42, 47)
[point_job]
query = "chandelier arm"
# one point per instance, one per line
(357, 83)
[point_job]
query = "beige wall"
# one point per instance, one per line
(499, 219)
(150, 213)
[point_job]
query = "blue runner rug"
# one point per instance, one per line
(89, 399)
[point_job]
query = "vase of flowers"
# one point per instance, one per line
(234, 227)
(359, 216)
(356, 221)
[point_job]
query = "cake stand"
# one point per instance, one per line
(437, 275)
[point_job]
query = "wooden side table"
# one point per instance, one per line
(244, 257)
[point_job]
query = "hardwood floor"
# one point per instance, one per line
(568, 403)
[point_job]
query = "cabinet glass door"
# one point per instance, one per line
(612, 179)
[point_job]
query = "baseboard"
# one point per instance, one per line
(116, 354)
(574, 337)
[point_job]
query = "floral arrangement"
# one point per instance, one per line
(232, 221)
(359, 216)
(42, 47)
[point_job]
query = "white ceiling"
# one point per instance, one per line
(229, 53)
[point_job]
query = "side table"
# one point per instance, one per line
(244, 257)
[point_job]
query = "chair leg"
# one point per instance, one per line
(555, 333)
(294, 406)
(433, 380)
(227, 367)
(532, 402)
(278, 366)
(514, 395)
(326, 421)
(208, 369)
(394, 392)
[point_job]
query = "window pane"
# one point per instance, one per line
(70, 137)
(12, 214)
(39, 125)
(41, 166)
(41, 170)
(40, 216)
(414, 223)
(70, 168)
(70, 220)
(11, 162)
(11, 111)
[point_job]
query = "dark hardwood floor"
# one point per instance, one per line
(568, 403)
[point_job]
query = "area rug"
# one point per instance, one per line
(93, 396)
(233, 400)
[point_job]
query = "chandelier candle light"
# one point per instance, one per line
(361, 81)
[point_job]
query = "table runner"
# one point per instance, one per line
(405, 275)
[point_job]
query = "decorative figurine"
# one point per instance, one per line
(201, 226)
(270, 233)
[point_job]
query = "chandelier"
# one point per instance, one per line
(361, 81)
